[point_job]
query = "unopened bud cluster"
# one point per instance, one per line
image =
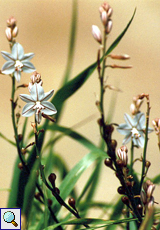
(146, 194)
(12, 29)
(35, 78)
(156, 125)
(105, 15)
(136, 104)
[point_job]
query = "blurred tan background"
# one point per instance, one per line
(44, 28)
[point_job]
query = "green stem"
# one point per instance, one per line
(13, 121)
(145, 145)
(132, 158)
(102, 78)
(55, 194)
(107, 139)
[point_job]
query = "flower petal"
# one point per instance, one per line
(127, 139)
(7, 56)
(17, 75)
(139, 142)
(124, 129)
(27, 110)
(49, 108)
(17, 51)
(128, 120)
(48, 95)
(8, 67)
(28, 67)
(38, 117)
(139, 120)
(27, 57)
(27, 98)
(37, 92)
(150, 130)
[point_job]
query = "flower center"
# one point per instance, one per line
(38, 107)
(135, 133)
(18, 65)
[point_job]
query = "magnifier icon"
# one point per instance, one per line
(9, 217)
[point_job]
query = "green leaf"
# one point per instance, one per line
(92, 181)
(116, 214)
(156, 180)
(71, 42)
(13, 197)
(30, 191)
(72, 177)
(8, 140)
(93, 221)
(115, 43)
(76, 136)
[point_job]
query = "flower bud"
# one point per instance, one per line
(20, 166)
(122, 154)
(104, 18)
(106, 6)
(150, 190)
(156, 125)
(15, 31)
(8, 33)
(119, 56)
(151, 202)
(110, 12)
(11, 22)
(97, 34)
(109, 26)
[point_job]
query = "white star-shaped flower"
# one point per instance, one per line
(17, 62)
(37, 103)
(134, 129)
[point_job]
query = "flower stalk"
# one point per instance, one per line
(143, 174)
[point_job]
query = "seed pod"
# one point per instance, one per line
(108, 162)
(121, 190)
(52, 178)
(125, 200)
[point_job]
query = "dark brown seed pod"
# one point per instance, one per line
(52, 178)
(49, 202)
(72, 202)
(129, 184)
(121, 190)
(113, 144)
(125, 200)
(57, 190)
(108, 162)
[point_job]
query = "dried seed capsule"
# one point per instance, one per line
(125, 200)
(49, 202)
(52, 178)
(72, 202)
(108, 162)
(121, 190)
